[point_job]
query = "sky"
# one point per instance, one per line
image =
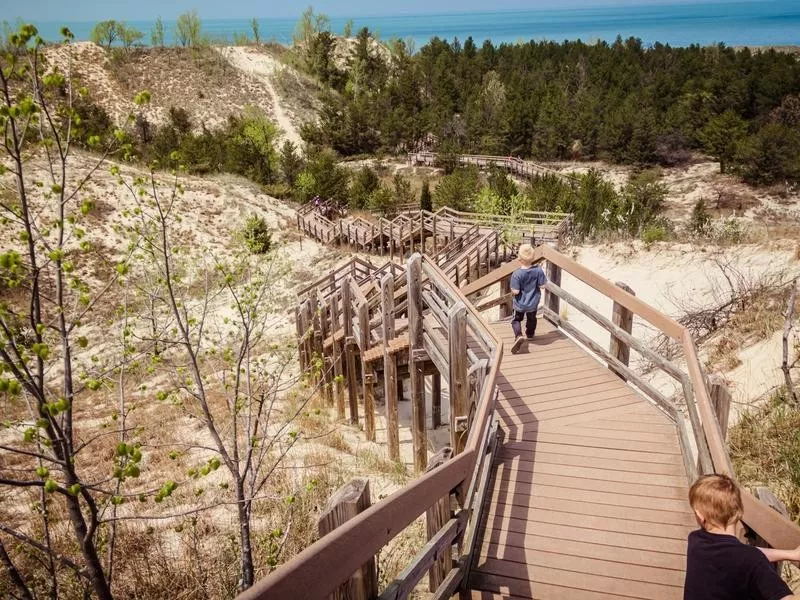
(127, 10)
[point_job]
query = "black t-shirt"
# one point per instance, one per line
(720, 567)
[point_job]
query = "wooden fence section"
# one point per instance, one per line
(427, 231)
(517, 166)
(584, 496)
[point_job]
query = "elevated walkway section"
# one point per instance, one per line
(588, 498)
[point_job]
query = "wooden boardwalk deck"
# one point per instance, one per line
(589, 497)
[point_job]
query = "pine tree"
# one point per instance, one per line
(425, 199)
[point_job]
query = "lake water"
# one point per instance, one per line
(751, 23)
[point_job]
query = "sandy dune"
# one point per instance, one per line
(264, 67)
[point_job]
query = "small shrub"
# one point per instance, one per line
(652, 234)
(257, 235)
(700, 221)
(282, 191)
(730, 231)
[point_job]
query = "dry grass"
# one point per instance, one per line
(765, 449)
(724, 355)
(369, 461)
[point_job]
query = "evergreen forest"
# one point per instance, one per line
(621, 102)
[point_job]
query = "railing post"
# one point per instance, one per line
(326, 362)
(369, 403)
(435, 232)
(350, 500)
(421, 232)
(459, 384)
(622, 318)
(435, 518)
(317, 339)
(720, 397)
(390, 367)
(436, 400)
(350, 352)
(415, 344)
(338, 370)
(506, 308)
(551, 301)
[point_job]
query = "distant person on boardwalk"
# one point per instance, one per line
(526, 283)
(718, 565)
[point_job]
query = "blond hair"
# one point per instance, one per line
(717, 499)
(525, 254)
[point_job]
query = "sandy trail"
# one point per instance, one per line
(264, 68)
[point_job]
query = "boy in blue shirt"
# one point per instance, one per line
(525, 286)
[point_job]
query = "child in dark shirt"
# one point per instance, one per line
(718, 565)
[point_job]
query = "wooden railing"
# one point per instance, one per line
(409, 230)
(523, 168)
(441, 323)
(356, 268)
(702, 442)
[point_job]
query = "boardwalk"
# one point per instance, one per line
(589, 495)
(582, 492)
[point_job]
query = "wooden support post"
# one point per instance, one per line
(369, 403)
(327, 375)
(436, 400)
(390, 367)
(349, 501)
(402, 248)
(720, 401)
(551, 301)
(298, 322)
(452, 235)
(506, 308)
(338, 370)
(366, 373)
(435, 518)
(391, 243)
(622, 318)
(381, 237)
(459, 384)
(316, 339)
(415, 343)
(308, 321)
(338, 378)
(350, 351)
(435, 241)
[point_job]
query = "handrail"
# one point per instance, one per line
(776, 530)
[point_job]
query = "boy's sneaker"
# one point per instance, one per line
(517, 346)
(529, 338)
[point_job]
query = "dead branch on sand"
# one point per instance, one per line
(787, 330)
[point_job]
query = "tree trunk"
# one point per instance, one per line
(247, 572)
(13, 574)
(89, 551)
